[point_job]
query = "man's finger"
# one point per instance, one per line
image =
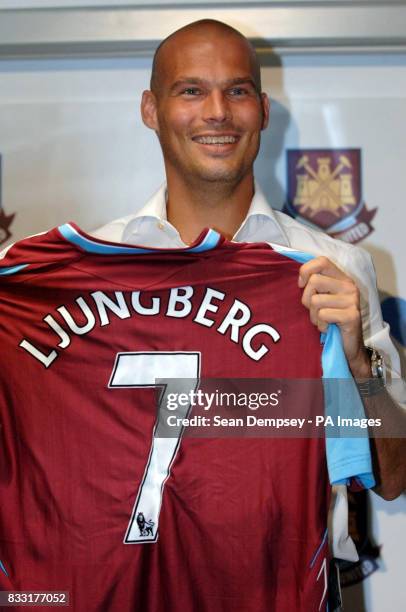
(345, 318)
(318, 283)
(332, 300)
(333, 313)
(319, 265)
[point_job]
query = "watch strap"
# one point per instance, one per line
(376, 383)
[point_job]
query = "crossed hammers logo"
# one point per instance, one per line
(324, 184)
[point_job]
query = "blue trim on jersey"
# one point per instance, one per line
(333, 358)
(209, 242)
(71, 235)
(93, 246)
(316, 554)
(12, 269)
(3, 568)
(347, 457)
(298, 256)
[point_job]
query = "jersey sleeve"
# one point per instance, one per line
(31, 254)
(348, 455)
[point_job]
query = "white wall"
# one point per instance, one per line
(73, 147)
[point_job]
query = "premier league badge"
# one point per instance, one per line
(324, 190)
(5, 220)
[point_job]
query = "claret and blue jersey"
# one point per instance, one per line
(95, 503)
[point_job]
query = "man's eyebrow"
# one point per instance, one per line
(191, 80)
(245, 80)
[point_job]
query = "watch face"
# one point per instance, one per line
(379, 369)
(376, 363)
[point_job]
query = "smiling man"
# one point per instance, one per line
(217, 523)
(207, 108)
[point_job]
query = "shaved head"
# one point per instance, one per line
(206, 106)
(194, 32)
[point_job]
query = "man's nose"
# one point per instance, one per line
(216, 107)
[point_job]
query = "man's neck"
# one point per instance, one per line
(220, 206)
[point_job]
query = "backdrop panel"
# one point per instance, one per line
(73, 146)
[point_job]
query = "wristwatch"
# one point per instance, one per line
(376, 383)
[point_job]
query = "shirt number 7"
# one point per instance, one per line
(145, 369)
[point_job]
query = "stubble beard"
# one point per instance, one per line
(213, 178)
(198, 176)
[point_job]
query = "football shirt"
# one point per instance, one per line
(94, 500)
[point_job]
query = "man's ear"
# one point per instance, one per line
(149, 110)
(265, 110)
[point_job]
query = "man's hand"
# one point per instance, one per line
(333, 297)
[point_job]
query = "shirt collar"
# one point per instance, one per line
(155, 207)
(259, 211)
(260, 214)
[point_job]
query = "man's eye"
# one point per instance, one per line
(191, 91)
(238, 91)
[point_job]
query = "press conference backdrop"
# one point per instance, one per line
(73, 147)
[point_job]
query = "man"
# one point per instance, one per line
(224, 542)
(207, 109)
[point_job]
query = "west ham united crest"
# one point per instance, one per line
(324, 190)
(5, 220)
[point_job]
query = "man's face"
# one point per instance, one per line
(206, 111)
